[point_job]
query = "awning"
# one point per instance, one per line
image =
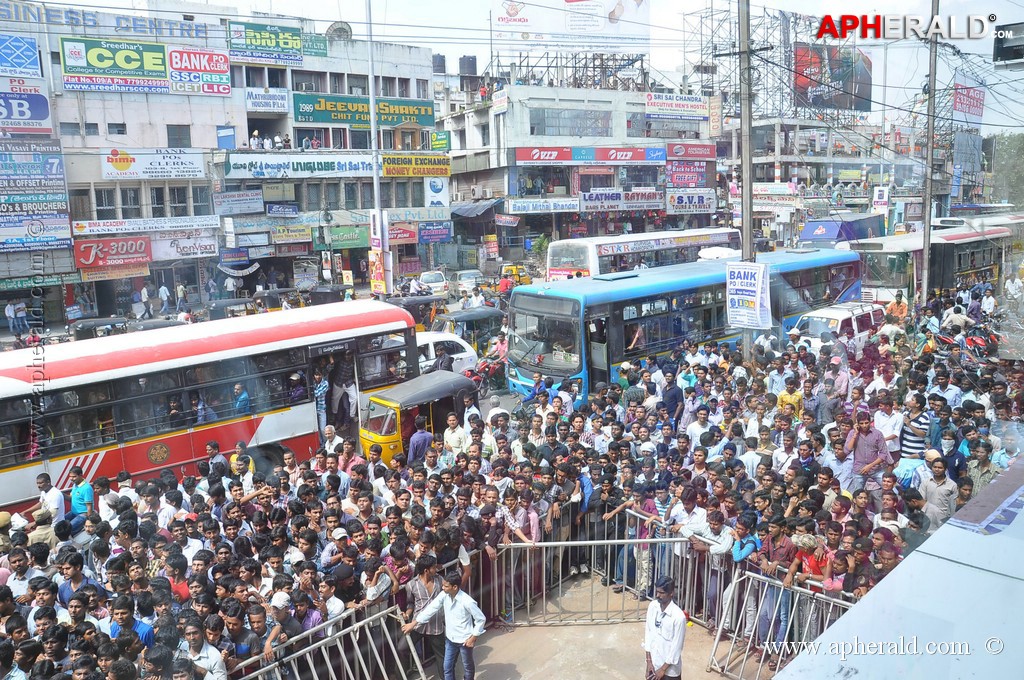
(820, 230)
(239, 272)
(474, 208)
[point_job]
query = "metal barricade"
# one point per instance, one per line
(372, 648)
(764, 624)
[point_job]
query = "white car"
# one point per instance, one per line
(435, 279)
(862, 318)
(459, 350)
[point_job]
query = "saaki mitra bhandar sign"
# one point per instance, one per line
(355, 111)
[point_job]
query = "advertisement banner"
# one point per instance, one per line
(683, 240)
(19, 56)
(89, 64)
(314, 45)
(144, 225)
(491, 244)
(436, 192)
(34, 192)
(436, 232)
(715, 117)
(649, 155)
(266, 99)
(378, 230)
(341, 109)
(290, 233)
(615, 199)
(691, 201)
(279, 191)
(350, 237)
(416, 165)
(528, 206)
(747, 295)
(506, 220)
(259, 252)
(238, 202)
(440, 141)
(401, 233)
(381, 275)
(152, 164)
(128, 271)
(663, 106)
(968, 99)
(686, 174)
(264, 44)
(499, 102)
(234, 256)
(25, 107)
(184, 244)
(573, 25)
(831, 77)
(691, 151)
(296, 165)
(282, 209)
(292, 249)
(112, 252)
(543, 155)
(880, 199)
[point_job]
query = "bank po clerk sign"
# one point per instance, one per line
(747, 295)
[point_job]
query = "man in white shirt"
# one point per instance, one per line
(890, 423)
(165, 298)
(50, 498)
(331, 439)
(463, 624)
(664, 632)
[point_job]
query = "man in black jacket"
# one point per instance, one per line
(443, 362)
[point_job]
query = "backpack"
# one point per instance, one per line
(136, 296)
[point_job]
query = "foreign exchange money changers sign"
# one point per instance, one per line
(747, 295)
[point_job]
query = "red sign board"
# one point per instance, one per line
(112, 252)
(603, 154)
(692, 151)
(543, 155)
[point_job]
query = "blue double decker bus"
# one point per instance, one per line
(583, 328)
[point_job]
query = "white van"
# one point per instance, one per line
(864, 318)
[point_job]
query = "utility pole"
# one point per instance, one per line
(374, 145)
(746, 155)
(933, 53)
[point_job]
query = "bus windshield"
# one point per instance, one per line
(886, 269)
(566, 255)
(545, 334)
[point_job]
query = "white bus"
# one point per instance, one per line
(590, 256)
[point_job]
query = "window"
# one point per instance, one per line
(276, 77)
(237, 76)
(403, 87)
(358, 85)
(314, 196)
(201, 201)
(92, 129)
(179, 136)
(80, 204)
(401, 194)
(485, 135)
(304, 81)
(179, 202)
(55, 58)
(131, 204)
(70, 130)
(417, 194)
(366, 195)
(422, 89)
(351, 196)
(359, 139)
(570, 123)
(156, 198)
(337, 83)
(387, 139)
(382, 359)
(254, 76)
(117, 129)
(106, 204)
(333, 196)
(385, 195)
(387, 87)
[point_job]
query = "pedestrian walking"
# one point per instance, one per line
(165, 298)
(463, 624)
(9, 313)
(664, 633)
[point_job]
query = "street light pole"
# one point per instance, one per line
(746, 157)
(933, 49)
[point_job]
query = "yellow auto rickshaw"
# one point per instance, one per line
(389, 418)
(477, 325)
(229, 308)
(424, 308)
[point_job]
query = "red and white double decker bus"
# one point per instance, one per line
(106, 404)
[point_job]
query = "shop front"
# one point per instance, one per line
(547, 216)
(689, 177)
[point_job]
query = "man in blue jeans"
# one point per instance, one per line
(81, 499)
(463, 624)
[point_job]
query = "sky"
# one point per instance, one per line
(461, 27)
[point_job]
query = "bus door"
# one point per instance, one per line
(597, 347)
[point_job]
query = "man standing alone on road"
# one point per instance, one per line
(463, 624)
(664, 633)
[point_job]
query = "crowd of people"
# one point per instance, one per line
(821, 469)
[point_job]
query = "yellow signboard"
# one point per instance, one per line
(290, 233)
(416, 165)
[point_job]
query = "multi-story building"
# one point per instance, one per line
(156, 114)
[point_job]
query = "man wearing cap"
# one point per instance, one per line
(664, 633)
(463, 624)
(43, 533)
(286, 626)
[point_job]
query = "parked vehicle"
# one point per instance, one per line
(462, 353)
(477, 326)
(488, 374)
(85, 329)
(862, 318)
(436, 280)
(464, 281)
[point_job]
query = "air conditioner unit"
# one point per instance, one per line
(488, 193)
(475, 190)
(307, 87)
(459, 196)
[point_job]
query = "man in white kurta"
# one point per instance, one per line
(664, 633)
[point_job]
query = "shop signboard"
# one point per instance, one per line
(25, 106)
(353, 110)
(234, 256)
(499, 102)
(266, 99)
(119, 273)
(402, 233)
(112, 252)
(282, 209)
(238, 202)
(691, 201)
(260, 252)
(274, 45)
(144, 225)
(252, 240)
(603, 200)
(491, 244)
(543, 155)
(747, 295)
(350, 236)
(314, 45)
(440, 141)
(667, 106)
(290, 233)
(33, 196)
(134, 164)
(185, 244)
(291, 249)
(436, 232)
(295, 165)
(692, 151)
(436, 192)
(41, 281)
(506, 220)
(19, 56)
(541, 205)
(416, 165)
(686, 174)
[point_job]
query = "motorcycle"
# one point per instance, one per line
(488, 374)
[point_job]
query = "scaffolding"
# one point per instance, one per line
(585, 70)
